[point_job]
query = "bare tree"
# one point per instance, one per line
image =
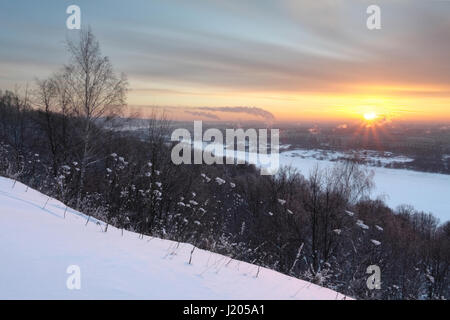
(95, 91)
(14, 123)
(52, 98)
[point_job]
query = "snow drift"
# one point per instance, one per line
(37, 245)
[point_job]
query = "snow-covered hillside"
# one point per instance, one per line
(37, 245)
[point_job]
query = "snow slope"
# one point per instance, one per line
(38, 244)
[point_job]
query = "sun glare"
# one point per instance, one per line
(369, 116)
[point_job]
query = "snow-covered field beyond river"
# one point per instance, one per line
(38, 244)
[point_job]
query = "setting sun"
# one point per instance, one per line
(369, 116)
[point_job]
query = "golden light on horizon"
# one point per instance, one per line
(370, 116)
(308, 106)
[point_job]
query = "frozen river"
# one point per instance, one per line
(429, 192)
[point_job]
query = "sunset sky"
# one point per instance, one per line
(291, 60)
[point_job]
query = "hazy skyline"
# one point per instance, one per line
(296, 60)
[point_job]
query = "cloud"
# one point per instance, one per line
(312, 47)
(208, 112)
(247, 110)
(203, 114)
(229, 46)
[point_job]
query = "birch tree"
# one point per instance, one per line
(96, 92)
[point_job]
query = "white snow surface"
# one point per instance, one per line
(38, 244)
